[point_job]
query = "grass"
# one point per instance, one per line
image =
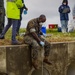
(56, 36)
(60, 37)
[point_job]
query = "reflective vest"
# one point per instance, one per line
(12, 8)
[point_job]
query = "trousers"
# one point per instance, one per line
(35, 47)
(14, 23)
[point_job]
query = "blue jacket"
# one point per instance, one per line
(64, 15)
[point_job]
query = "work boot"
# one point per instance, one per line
(47, 61)
(35, 64)
(2, 37)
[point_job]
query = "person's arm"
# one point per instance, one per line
(35, 36)
(61, 9)
(32, 30)
(25, 7)
(19, 3)
(68, 10)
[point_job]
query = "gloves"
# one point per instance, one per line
(44, 34)
(42, 43)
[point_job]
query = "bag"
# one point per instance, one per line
(71, 26)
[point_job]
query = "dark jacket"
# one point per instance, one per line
(64, 10)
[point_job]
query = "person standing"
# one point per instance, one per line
(13, 15)
(64, 10)
(19, 21)
(2, 15)
(33, 38)
(73, 12)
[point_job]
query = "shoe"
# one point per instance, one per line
(2, 37)
(16, 43)
(47, 61)
(35, 64)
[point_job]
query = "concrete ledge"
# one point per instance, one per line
(15, 60)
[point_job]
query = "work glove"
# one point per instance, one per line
(42, 43)
(44, 35)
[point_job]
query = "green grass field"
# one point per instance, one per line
(56, 36)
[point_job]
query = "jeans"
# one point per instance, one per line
(18, 26)
(19, 21)
(14, 23)
(64, 26)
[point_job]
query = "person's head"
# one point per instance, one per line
(42, 19)
(65, 2)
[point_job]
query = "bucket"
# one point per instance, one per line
(43, 29)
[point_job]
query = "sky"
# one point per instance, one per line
(46, 7)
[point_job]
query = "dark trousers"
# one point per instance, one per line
(14, 23)
(18, 26)
(19, 21)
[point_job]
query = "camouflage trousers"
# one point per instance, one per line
(35, 47)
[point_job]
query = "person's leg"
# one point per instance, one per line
(63, 26)
(66, 25)
(18, 27)
(6, 28)
(19, 23)
(47, 51)
(14, 41)
(34, 50)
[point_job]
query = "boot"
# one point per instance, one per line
(35, 64)
(2, 37)
(47, 61)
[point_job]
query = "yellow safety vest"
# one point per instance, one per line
(12, 8)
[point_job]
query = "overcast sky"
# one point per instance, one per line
(46, 7)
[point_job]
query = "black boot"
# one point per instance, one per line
(2, 37)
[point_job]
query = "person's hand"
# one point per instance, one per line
(42, 43)
(44, 34)
(26, 9)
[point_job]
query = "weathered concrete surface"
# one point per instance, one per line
(15, 60)
(2, 59)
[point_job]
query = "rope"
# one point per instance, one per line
(42, 55)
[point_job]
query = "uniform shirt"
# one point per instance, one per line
(33, 26)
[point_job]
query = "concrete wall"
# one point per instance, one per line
(15, 60)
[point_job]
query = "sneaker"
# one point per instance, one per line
(2, 37)
(47, 61)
